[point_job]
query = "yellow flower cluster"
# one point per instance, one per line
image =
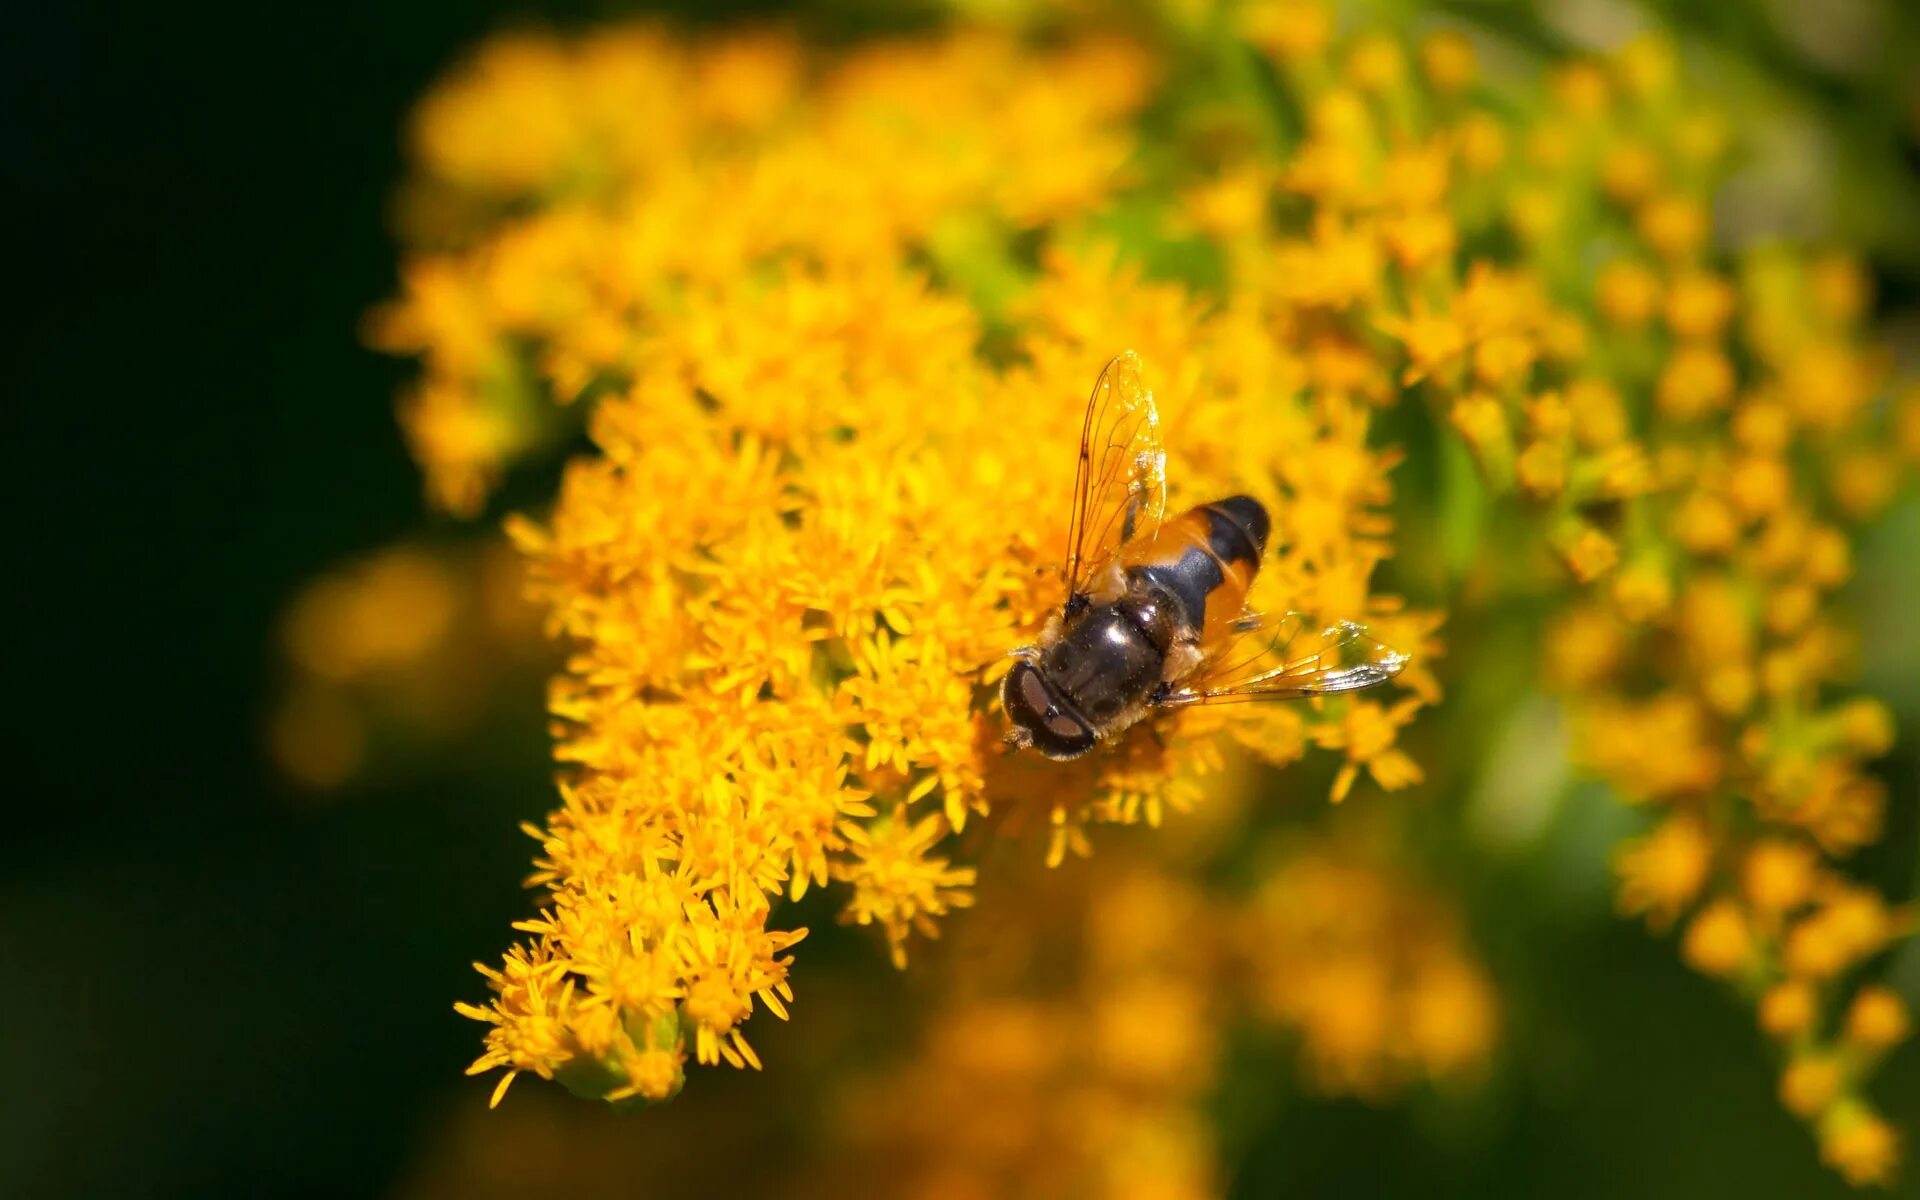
(401, 647)
(831, 492)
(1371, 971)
(1089, 1084)
(828, 320)
(1693, 440)
(1091, 1074)
(1693, 443)
(1077, 1053)
(567, 191)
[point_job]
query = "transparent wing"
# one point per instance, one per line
(1286, 657)
(1120, 484)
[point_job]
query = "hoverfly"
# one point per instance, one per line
(1154, 616)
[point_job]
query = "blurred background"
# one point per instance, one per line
(228, 952)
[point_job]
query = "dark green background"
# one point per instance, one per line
(209, 987)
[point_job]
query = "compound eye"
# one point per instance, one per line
(1061, 725)
(1034, 693)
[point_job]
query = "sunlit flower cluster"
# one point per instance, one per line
(828, 320)
(820, 515)
(1074, 1037)
(1693, 432)
(568, 191)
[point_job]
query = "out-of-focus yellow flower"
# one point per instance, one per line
(1810, 1084)
(1449, 62)
(400, 647)
(1288, 29)
(1661, 873)
(1779, 876)
(1370, 969)
(1877, 1019)
(1859, 1145)
(1719, 940)
(1085, 1078)
(1789, 1008)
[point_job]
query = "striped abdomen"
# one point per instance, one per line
(1205, 560)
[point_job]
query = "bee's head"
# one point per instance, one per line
(1041, 717)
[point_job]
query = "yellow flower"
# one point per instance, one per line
(1696, 380)
(1453, 1020)
(1718, 940)
(1599, 418)
(1367, 734)
(1877, 1019)
(1588, 553)
(1779, 876)
(1662, 872)
(1789, 1009)
(1375, 63)
(896, 883)
(1583, 647)
(1698, 306)
(1288, 29)
(1706, 524)
(1858, 1144)
(1864, 481)
(1371, 971)
(1864, 726)
(1581, 88)
(1850, 926)
(1432, 342)
(1810, 1084)
(1542, 469)
(1674, 225)
(1642, 591)
(1645, 65)
(1448, 61)
(1827, 384)
(1481, 142)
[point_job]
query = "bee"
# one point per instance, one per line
(1155, 615)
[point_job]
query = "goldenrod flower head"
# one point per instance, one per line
(1810, 1084)
(1779, 875)
(1878, 1019)
(1448, 60)
(1674, 225)
(1719, 940)
(398, 648)
(1859, 1145)
(1630, 172)
(1789, 1009)
(1662, 872)
(1288, 29)
(1371, 972)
